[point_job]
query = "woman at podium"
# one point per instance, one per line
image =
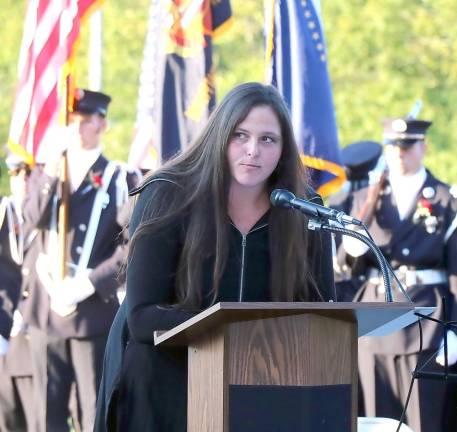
(203, 231)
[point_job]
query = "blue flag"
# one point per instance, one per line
(297, 63)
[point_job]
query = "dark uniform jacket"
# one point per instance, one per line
(415, 243)
(94, 315)
(10, 279)
(143, 387)
(17, 360)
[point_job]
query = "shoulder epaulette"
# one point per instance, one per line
(453, 191)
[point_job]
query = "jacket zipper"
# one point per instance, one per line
(243, 250)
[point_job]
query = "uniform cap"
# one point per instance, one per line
(404, 132)
(91, 102)
(359, 158)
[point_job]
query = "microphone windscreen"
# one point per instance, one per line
(281, 198)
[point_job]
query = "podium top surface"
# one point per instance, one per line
(373, 319)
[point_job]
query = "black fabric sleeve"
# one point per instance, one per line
(109, 275)
(451, 257)
(151, 270)
(323, 267)
(106, 277)
(322, 261)
(37, 204)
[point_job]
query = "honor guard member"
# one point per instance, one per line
(362, 163)
(16, 407)
(412, 218)
(69, 318)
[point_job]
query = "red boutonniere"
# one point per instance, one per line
(95, 179)
(423, 214)
(425, 205)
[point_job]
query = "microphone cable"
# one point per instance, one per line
(413, 378)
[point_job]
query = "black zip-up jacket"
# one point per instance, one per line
(150, 285)
(150, 273)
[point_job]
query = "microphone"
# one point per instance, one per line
(286, 199)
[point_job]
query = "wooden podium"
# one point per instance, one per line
(274, 367)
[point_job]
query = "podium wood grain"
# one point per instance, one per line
(284, 345)
(206, 396)
(283, 351)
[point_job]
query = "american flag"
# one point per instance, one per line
(46, 57)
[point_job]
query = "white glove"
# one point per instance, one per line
(353, 246)
(375, 175)
(51, 149)
(65, 295)
(18, 324)
(3, 346)
(451, 350)
(43, 268)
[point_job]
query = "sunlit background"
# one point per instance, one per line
(382, 56)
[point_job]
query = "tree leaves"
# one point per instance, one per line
(382, 57)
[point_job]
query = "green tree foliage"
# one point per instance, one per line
(11, 17)
(124, 33)
(385, 55)
(239, 52)
(382, 57)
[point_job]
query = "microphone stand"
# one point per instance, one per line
(316, 225)
(418, 372)
(446, 325)
(386, 269)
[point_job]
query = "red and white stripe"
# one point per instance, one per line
(51, 28)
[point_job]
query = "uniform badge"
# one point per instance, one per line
(428, 192)
(399, 125)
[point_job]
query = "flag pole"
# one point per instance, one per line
(95, 80)
(64, 195)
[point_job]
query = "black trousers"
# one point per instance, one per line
(385, 380)
(58, 364)
(16, 403)
(16, 387)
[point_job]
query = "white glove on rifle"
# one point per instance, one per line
(451, 349)
(65, 295)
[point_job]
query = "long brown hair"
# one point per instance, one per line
(202, 176)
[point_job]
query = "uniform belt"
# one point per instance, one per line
(411, 277)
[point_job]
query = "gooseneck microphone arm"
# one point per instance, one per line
(316, 225)
(285, 198)
(318, 216)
